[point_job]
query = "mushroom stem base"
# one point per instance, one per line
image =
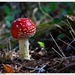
(24, 49)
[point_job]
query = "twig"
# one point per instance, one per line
(57, 52)
(57, 45)
(71, 43)
(71, 57)
(19, 68)
(57, 25)
(15, 48)
(42, 68)
(65, 23)
(66, 43)
(71, 34)
(34, 69)
(44, 12)
(65, 68)
(9, 43)
(71, 27)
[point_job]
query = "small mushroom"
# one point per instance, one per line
(22, 29)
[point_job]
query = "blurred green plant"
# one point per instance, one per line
(42, 45)
(61, 35)
(10, 15)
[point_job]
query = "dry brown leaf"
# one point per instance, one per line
(8, 69)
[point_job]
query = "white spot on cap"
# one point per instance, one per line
(27, 20)
(24, 30)
(19, 35)
(29, 28)
(33, 30)
(17, 26)
(20, 29)
(28, 24)
(21, 23)
(19, 19)
(15, 21)
(28, 33)
(33, 26)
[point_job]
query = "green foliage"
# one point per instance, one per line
(8, 19)
(52, 6)
(8, 24)
(15, 12)
(9, 15)
(45, 9)
(41, 44)
(7, 10)
(57, 20)
(60, 35)
(63, 12)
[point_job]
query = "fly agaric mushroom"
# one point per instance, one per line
(21, 29)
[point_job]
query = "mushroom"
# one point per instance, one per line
(22, 29)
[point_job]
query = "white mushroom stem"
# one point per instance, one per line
(24, 49)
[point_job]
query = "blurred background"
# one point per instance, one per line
(44, 14)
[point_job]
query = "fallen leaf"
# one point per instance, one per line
(8, 69)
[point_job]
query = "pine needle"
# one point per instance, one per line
(58, 46)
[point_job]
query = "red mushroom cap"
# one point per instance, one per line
(23, 28)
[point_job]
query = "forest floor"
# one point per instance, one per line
(52, 59)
